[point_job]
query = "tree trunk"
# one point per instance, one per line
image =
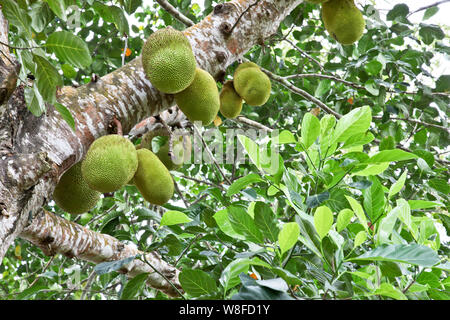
(35, 152)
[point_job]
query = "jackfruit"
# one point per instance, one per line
(343, 21)
(230, 101)
(168, 60)
(252, 84)
(72, 193)
(200, 101)
(152, 178)
(181, 147)
(110, 163)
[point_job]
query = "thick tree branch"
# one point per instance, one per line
(54, 234)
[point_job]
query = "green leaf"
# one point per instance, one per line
(388, 290)
(374, 199)
(323, 87)
(16, 16)
(34, 100)
(197, 282)
(130, 6)
(398, 185)
(58, 7)
(288, 236)
(69, 48)
(323, 220)
(422, 204)
(172, 217)
(252, 149)
(243, 182)
(65, 114)
(373, 67)
(372, 169)
(430, 12)
(414, 254)
(359, 212)
(243, 224)
(343, 219)
(399, 11)
(286, 136)
(310, 129)
(391, 155)
(429, 33)
(68, 71)
(47, 78)
(266, 221)
(41, 15)
(224, 224)
(440, 185)
(315, 200)
(355, 122)
(360, 238)
(134, 286)
(119, 20)
(372, 87)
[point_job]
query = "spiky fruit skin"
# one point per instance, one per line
(168, 60)
(110, 163)
(153, 179)
(72, 193)
(252, 84)
(230, 101)
(343, 21)
(200, 101)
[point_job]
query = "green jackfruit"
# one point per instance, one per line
(200, 101)
(181, 147)
(252, 84)
(72, 193)
(110, 163)
(152, 178)
(343, 21)
(230, 101)
(168, 60)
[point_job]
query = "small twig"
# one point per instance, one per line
(211, 155)
(177, 189)
(175, 13)
(305, 54)
(187, 248)
(88, 284)
(301, 92)
(18, 48)
(429, 6)
(426, 124)
(43, 270)
(165, 278)
(245, 11)
(252, 123)
(200, 181)
(124, 53)
(324, 76)
(118, 126)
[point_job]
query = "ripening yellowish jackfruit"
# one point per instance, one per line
(110, 163)
(153, 179)
(168, 60)
(200, 101)
(343, 21)
(230, 101)
(252, 84)
(72, 193)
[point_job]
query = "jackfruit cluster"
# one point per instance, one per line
(343, 21)
(168, 60)
(200, 101)
(73, 194)
(251, 84)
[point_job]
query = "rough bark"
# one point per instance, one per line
(53, 234)
(34, 152)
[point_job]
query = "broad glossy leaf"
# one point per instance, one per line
(288, 236)
(197, 282)
(69, 48)
(323, 220)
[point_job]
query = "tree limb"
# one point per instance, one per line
(175, 13)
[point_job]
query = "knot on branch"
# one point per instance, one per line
(223, 8)
(225, 28)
